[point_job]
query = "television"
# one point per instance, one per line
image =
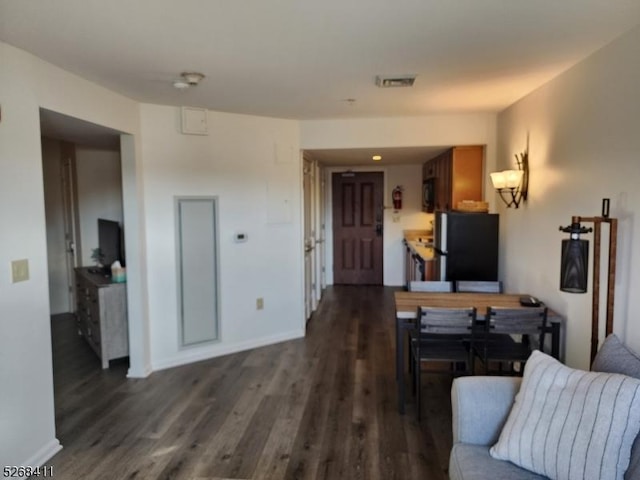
(110, 243)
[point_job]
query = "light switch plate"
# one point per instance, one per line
(19, 270)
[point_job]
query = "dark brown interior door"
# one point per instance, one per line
(357, 228)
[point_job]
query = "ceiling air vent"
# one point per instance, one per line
(398, 81)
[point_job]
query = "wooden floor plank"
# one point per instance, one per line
(322, 407)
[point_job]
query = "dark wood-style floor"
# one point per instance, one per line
(322, 407)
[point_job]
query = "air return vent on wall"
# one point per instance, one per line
(194, 121)
(395, 81)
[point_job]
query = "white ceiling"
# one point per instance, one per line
(303, 59)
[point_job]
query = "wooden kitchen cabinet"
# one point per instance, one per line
(456, 176)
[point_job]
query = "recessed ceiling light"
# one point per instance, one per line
(377, 158)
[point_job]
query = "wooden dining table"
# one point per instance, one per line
(407, 304)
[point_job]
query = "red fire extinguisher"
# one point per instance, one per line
(396, 195)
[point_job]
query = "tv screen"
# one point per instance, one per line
(109, 242)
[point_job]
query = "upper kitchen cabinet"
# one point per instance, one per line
(452, 177)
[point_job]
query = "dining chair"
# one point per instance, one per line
(431, 286)
(435, 286)
(478, 286)
(444, 335)
(518, 326)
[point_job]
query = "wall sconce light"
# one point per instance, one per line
(574, 266)
(513, 185)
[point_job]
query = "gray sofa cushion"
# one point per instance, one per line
(614, 357)
(473, 462)
(571, 424)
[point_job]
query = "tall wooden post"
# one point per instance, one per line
(611, 275)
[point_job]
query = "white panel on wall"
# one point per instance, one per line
(194, 121)
(197, 250)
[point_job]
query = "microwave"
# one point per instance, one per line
(428, 195)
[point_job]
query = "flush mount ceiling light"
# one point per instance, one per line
(376, 158)
(188, 79)
(395, 81)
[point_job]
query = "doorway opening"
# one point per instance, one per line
(82, 183)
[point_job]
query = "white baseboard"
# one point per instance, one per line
(218, 350)
(44, 454)
(140, 373)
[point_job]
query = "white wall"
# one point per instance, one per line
(237, 163)
(99, 194)
(583, 146)
(436, 130)
(27, 430)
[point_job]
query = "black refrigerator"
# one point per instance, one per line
(466, 246)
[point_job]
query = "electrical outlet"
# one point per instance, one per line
(19, 270)
(259, 303)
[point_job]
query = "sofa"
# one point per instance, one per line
(482, 405)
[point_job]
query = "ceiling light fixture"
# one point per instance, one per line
(398, 81)
(376, 158)
(188, 79)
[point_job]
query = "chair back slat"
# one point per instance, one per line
(508, 335)
(478, 286)
(445, 320)
(514, 321)
(431, 286)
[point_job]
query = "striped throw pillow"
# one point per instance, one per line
(570, 424)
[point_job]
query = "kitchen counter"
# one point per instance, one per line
(420, 242)
(419, 256)
(422, 249)
(420, 235)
